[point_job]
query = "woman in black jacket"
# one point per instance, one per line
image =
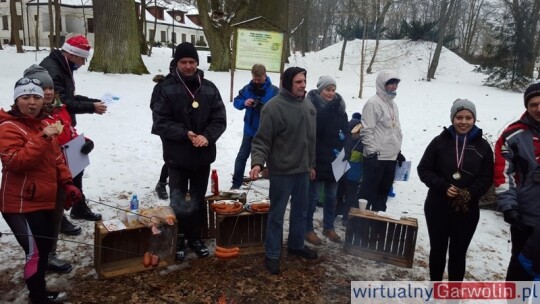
(457, 167)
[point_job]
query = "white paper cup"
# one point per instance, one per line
(362, 204)
(122, 214)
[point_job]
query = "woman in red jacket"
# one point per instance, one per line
(32, 169)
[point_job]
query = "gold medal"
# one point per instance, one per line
(195, 104)
(456, 176)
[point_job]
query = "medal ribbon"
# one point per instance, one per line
(187, 89)
(459, 158)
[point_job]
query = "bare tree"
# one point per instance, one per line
(380, 14)
(141, 26)
(116, 51)
(51, 25)
(15, 26)
(153, 35)
(447, 7)
(57, 23)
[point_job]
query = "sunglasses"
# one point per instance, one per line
(24, 81)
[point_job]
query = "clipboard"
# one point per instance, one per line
(75, 160)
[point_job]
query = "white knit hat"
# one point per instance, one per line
(78, 46)
(27, 86)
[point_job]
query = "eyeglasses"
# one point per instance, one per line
(24, 81)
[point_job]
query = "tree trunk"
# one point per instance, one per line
(153, 36)
(36, 28)
(51, 25)
(378, 28)
(446, 10)
(141, 21)
(15, 26)
(84, 19)
(116, 51)
(57, 24)
(362, 62)
(343, 47)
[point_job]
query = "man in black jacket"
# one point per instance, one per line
(189, 116)
(61, 64)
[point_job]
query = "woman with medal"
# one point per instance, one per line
(457, 167)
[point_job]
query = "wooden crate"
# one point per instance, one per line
(121, 252)
(245, 230)
(209, 217)
(381, 239)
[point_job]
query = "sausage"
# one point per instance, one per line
(155, 260)
(227, 250)
(225, 255)
(260, 207)
(147, 259)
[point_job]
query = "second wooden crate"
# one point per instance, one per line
(381, 239)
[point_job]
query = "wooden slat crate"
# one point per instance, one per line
(245, 230)
(121, 252)
(381, 239)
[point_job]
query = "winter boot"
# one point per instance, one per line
(67, 228)
(81, 210)
(57, 265)
(161, 190)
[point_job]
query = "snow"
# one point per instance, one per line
(128, 159)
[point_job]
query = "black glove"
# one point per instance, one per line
(512, 217)
(400, 159)
(88, 146)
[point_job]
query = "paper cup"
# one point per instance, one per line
(122, 214)
(362, 204)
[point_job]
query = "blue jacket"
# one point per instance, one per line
(252, 116)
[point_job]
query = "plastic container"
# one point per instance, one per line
(214, 183)
(122, 214)
(134, 210)
(362, 204)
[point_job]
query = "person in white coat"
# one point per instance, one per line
(381, 136)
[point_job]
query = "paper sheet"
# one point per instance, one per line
(340, 166)
(75, 160)
(403, 172)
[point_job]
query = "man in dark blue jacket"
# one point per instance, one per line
(251, 98)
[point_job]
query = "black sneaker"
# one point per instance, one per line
(305, 252)
(66, 227)
(56, 297)
(272, 265)
(161, 190)
(58, 266)
(199, 248)
(180, 250)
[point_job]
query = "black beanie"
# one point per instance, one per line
(288, 75)
(185, 49)
(532, 90)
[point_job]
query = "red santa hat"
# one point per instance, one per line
(78, 46)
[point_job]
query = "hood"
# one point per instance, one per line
(382, 78)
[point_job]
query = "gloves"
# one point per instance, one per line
(88, 146)
(400, 159)
(73, 195)
(512, 217)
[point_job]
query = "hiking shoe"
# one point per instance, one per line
(305, 252)
(81, 211)
(199, 248)
(332, 235)
(272, 265)
(58, 266)
(67, 228)
(161, 190)
(312, 238)
(56, 297)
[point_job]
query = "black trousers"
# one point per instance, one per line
(377, 181)
(519, 237)
(449, 232)
(194, 182)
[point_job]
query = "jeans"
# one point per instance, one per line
(377, 181)
(240, 162)
(330, 189)
(282, 187)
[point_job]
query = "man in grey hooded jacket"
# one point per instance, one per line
(381, 136)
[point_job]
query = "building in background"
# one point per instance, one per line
(175, 22)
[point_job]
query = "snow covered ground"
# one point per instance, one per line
(127, 158)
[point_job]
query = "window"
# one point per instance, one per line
(163, 36)
(193, 39)
(5, 23)
(151, 34)
(90, 25)
(183, 37)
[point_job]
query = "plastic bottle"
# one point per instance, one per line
(214, 183)
(134, 204)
